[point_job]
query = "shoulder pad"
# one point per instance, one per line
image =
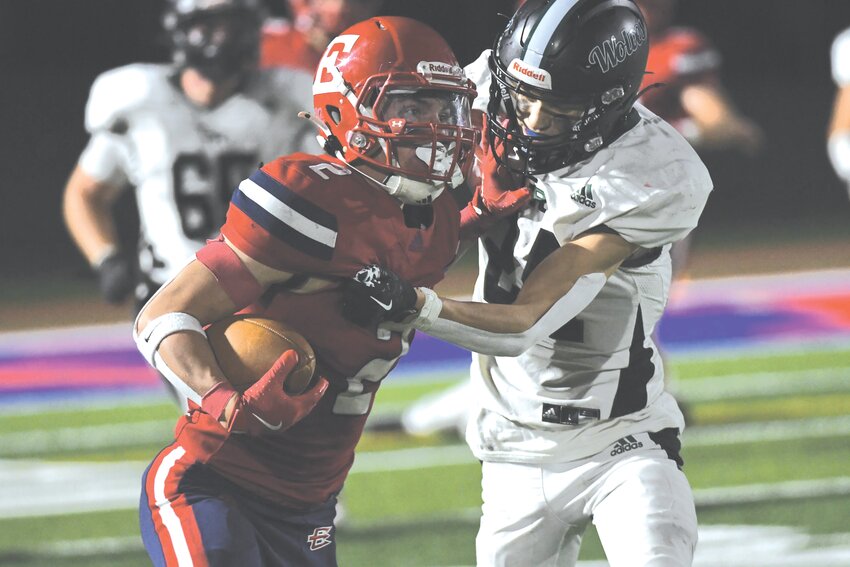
(668, 192)
(306, 173)
(274, 26)
(287, 87)
(116, 94)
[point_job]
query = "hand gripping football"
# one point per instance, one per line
(246, 347)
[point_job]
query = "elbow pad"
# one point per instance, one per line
(513, 344)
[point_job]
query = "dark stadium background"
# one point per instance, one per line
(776, 67)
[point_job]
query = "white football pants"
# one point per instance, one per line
(639, 501)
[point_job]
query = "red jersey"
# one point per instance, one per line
(314, 217)
(282, 45)
(678, 58)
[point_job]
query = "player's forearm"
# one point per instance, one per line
(491, 317)
(88, 217)
(184, 356)
(190, 357)
(839, 123)
(508, 330)
(718, 122)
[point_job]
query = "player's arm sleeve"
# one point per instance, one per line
(840, 59)
(272, 221)
(665, 213)
(105, 156)
(838, 144)
(103, 159)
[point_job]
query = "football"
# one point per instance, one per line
(246, 347)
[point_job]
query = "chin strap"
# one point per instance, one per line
(327, 141)
(411, 191)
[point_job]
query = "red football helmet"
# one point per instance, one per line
(390, 93)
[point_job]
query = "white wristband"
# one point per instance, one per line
(149, 338)
(430, 309)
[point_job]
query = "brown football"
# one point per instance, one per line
(246, 347)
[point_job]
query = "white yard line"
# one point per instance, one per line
(763, 384)
(92, 437)
(39, 488)
(766, 492)
(761, 431)
(98, 437)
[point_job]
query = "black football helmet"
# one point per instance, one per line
(218, 38)
(589, 55)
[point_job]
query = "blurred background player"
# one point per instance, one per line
(252, 478)
(690, 96)
(183, 135)
(300, 41)
(838, 139)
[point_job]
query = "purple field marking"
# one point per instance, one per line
(703, 316)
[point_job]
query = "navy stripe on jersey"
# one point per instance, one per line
(286, 215)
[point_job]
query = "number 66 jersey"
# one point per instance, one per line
(184, 160)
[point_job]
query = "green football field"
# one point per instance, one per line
(767, 454)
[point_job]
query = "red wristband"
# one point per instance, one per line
(216, 399)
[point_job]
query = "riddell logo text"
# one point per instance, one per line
(429, 68)
(529, 74)
(440, 68)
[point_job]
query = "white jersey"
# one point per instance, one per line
(840, 57)
(600, 377)
(184, 161)
(838, 146)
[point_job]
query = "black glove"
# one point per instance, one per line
(375, 295)
(115, 277)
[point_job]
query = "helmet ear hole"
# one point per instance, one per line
(334, 114)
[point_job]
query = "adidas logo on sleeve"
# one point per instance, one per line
(584, 196)
(627, 443)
